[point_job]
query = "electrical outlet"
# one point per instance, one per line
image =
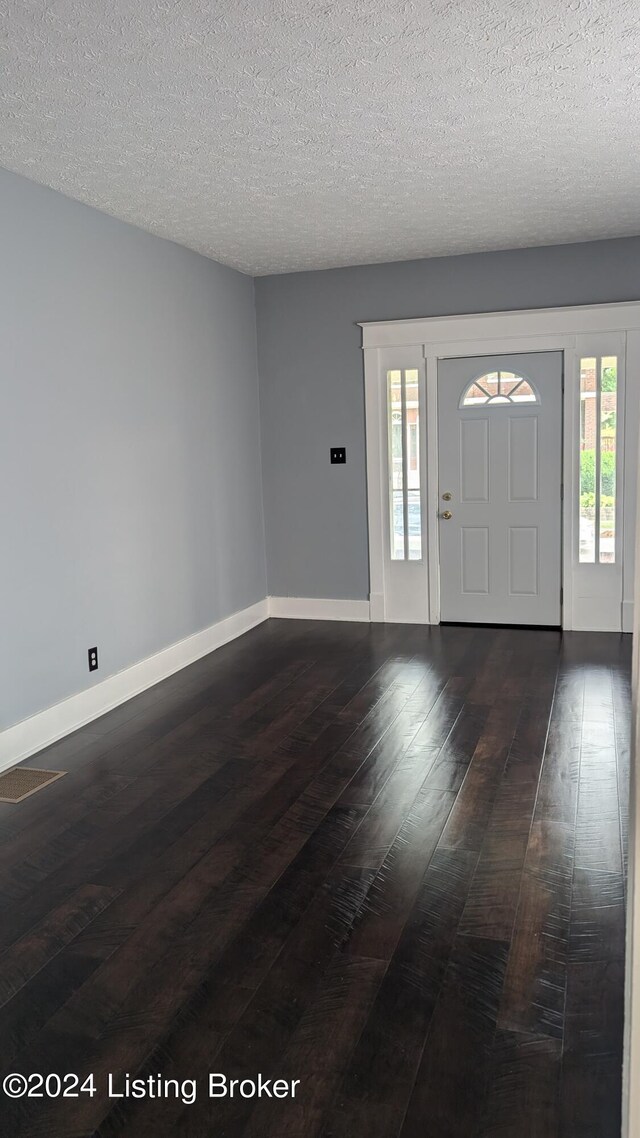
(93, 659)
(338, 454)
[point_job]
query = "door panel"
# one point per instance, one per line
(475, 559)
(523, 459)
(500, 459)
(523, 560)
(474, 460)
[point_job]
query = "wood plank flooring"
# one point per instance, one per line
(387, 861)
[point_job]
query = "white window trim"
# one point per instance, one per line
(426, 341)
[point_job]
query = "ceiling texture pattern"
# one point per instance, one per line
(278, 135)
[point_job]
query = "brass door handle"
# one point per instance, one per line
(445, 515)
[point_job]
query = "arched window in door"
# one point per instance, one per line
(495, 387)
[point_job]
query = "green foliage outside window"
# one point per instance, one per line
(588, 472)
(588, 501)
(609, 380)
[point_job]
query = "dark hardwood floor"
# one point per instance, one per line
(386, 861)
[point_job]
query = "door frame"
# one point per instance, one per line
(575, 331)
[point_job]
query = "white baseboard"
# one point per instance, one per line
(313, 608)
(31, 735)
(376, 607)
(597, 614)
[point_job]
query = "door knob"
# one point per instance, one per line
(445, 515)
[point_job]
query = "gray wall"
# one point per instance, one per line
(312, 393)
(130, 486)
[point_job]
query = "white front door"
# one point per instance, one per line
(500, 462)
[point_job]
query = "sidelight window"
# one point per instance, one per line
(598, 442)
(403, 417)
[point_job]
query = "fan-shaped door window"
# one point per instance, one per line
(496, 387)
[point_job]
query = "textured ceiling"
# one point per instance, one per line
(277, 135)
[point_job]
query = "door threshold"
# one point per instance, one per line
(493, 624)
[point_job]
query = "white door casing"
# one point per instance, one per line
(500, 466)
(596, 597)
